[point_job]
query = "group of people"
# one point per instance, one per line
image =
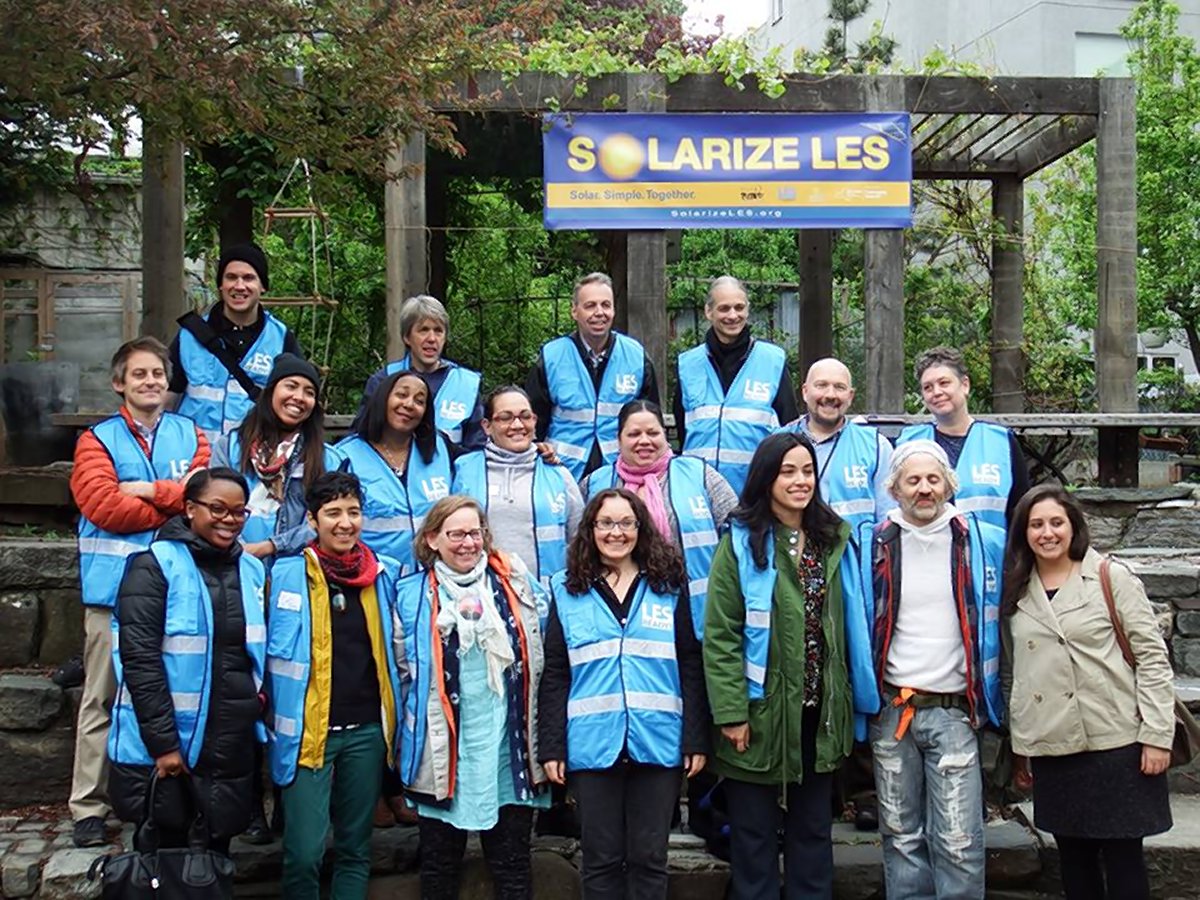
(474, 597)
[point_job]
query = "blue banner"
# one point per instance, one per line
(760, 170)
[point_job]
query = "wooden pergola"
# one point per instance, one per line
(1002, 130)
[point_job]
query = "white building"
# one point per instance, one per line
(1005, 37)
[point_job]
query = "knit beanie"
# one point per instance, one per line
(289, 364)
(908, 449)
(249, 253)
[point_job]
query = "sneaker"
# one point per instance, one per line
(90, 832)
(69, 675)
(258, 831)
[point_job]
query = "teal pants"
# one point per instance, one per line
(348, 787)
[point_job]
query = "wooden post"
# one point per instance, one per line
(164, 297)
(404, 236)
(816, 296)
(646, 251)
(1116, 282)
(883, 283)
(1008, 298)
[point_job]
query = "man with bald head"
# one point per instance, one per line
(733, 390)
(852, 458)
(936, 651)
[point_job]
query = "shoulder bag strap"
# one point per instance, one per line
(211, 341)
(1118, 630)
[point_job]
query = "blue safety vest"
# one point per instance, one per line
(858, 605)
(987, 571)
(548, 503)
(102, 554)
(726, 429)
(625, 690)
(580, 418)
(213, 399)
(696, 530)
(984, 469)
(289, 656)
(848, 479)
(262, 527)
(393, 510)
(187, 654)
(455, 399)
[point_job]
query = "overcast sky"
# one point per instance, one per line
(739, 14)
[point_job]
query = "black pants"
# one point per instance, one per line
(1089, 863)
(626, 816)
(755, 815)
(505, 848)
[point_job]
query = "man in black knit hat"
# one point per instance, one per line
(221, 360)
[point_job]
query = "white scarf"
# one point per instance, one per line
(463, 593)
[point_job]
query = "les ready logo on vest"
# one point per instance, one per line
(855, 476)
(986, 473)
(758, 390)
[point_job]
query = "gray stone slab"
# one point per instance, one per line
(19, 875)
(31, 846)
(37, 765)
(1163, 527)
(28, 702)
(1164, 580)
(1185, 655)
(61, 619)
(18, 627)
(1106, 531)
(1187, 623)
(65, 875)
(29, 562)
(1100, 495)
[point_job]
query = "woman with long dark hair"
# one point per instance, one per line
(280, 449)
(775, 663)
(622, 699)
(1096, 732)
(189, 658)
(404, 463)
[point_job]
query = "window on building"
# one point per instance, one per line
(1101, 54)
(1163, 362)
(776, 10)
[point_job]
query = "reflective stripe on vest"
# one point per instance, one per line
(187, 653)
(263, 523)
(725, 429)
(214, 399)
(580, 417)
(547, 504)
(455, 399)
(625, 690)
(289, 656)
(696, 529)
(102, 554)
(848, 480)
(984, 470)
(758, 595)
(393, 510)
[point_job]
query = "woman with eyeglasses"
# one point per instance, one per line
(468, 646)
(280, 449)
(775, 663)
(689, 501)
(622, 697)
(189, 655)
(533, 507)
(404, 463)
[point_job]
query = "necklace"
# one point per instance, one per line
(794, 546)
(397, 467)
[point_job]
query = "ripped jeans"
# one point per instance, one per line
(930, 804)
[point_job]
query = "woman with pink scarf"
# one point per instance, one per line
(688, 499)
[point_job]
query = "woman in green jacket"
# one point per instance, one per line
(775, 664)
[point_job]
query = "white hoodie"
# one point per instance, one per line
(926, 651)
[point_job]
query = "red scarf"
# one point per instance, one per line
(357, 568)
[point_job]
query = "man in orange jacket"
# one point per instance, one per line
(128, 480)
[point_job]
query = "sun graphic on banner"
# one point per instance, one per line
(621, 156)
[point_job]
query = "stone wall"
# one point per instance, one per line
(41, 626)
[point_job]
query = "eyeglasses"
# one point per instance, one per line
(461, 537)
(607, 526)
(221, 511)
(505, 418)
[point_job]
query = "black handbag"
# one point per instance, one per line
(194, 872)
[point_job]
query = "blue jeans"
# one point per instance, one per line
(930, 804)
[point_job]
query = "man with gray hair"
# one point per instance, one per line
(580, 381)
(458, 411)
(936, 651)
(733, 390)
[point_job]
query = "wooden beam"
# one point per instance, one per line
(1050, 146)
(646, 259)
(1008, 300)
(164, 298)
(816, 296)
(404, 235)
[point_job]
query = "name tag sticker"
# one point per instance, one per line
(289, 600)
